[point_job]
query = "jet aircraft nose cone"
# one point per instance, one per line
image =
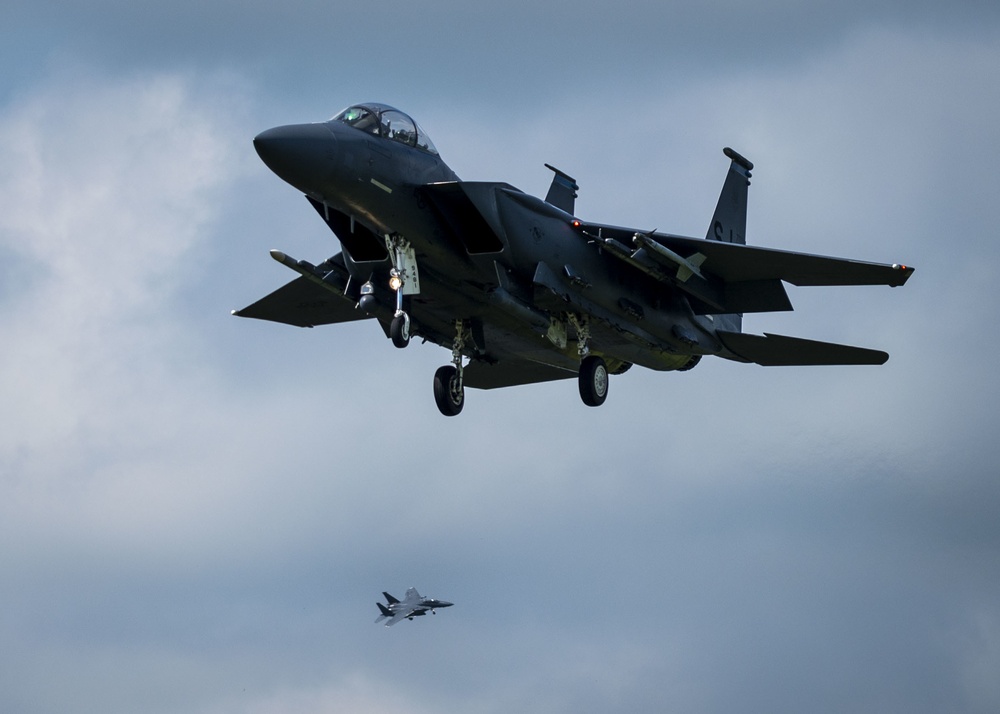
(301, 154)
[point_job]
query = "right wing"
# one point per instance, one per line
(397, 617)
(303, 303)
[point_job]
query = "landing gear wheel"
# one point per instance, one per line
(593, 381)
(449, 393)
(399, 330)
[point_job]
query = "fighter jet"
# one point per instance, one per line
(412, 605)
(520, 289)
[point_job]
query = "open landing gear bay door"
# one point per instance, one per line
(509, 373)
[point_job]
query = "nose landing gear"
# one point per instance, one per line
(399, 328)
(403, 279)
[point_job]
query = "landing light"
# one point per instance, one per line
(395, 281)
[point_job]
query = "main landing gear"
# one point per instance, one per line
(449, 392)
(593, 375)
(593, 379)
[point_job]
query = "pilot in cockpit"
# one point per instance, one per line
(361, 119)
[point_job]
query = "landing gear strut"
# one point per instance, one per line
(403, 274)
(449, 392)
(399, 328)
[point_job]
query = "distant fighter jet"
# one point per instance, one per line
(519, 287)
(412, 605)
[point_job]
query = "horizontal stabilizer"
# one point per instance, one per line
(780, 351)
(303, 303)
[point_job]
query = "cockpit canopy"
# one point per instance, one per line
(382, 120)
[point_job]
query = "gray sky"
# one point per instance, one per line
(197, 512)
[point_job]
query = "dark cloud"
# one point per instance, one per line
(198, 512)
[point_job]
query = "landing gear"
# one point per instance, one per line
(593, 376)
(593, 380)
(399, 329)
(449, 392)
(403, 279)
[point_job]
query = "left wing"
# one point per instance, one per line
(730, 277)
(742, 263)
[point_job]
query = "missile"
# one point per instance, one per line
(331, 280)
(686, 267)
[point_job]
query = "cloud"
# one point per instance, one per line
(105, 189)
(199, 511)
(108, 187)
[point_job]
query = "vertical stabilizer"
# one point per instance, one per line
(729, 224)
(562, 192)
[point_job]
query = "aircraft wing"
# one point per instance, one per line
(402, 615)
(723, 277)
(303, 303)
(509, 373)
(736, 263)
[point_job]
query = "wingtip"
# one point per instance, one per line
(905, 271)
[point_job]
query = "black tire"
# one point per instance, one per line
(449, 398)
(399, 331)
(593, 381)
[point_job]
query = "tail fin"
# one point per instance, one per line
(729, 224)
(562, 192)
(385, 612)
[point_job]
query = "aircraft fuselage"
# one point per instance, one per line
(518, 285)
